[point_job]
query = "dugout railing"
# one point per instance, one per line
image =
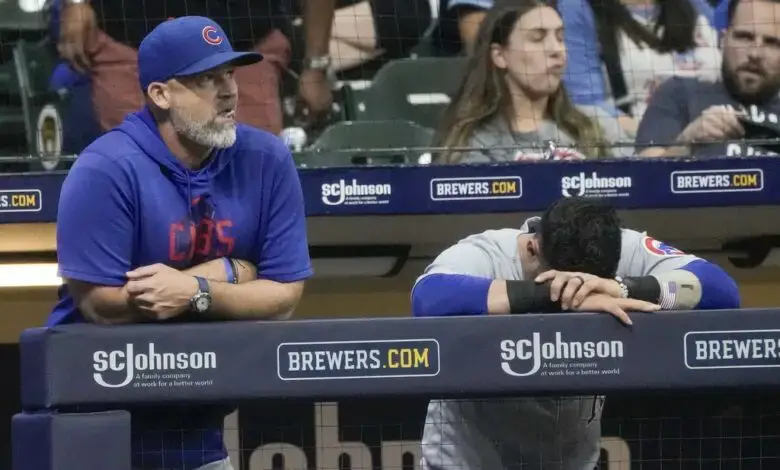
(399, 363)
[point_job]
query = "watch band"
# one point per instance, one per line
(234, 267)
(317, 63)
(203, 285)
(200, 303)
(230, 270)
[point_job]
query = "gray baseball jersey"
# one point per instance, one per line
(524, 433)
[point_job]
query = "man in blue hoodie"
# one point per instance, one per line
(180, 214)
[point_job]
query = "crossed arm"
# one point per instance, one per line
(159, 292)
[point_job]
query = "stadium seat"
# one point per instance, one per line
(12, 131)
(415, 90)
(33, 111)
(351, 143)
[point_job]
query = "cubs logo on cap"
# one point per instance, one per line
(184, 46)
(211, 35)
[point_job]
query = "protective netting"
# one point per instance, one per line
(676, 431)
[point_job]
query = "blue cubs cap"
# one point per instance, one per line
(186, 46)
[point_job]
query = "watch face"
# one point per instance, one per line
(202, 303)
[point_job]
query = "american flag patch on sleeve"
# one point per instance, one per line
(668, 295)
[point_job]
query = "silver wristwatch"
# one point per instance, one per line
(201, 301)
(317, 63)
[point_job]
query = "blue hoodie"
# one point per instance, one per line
(128, 202)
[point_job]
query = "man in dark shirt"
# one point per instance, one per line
(690, 116)
(100, 38)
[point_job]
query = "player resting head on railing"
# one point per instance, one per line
(512, 96)
(576, 257)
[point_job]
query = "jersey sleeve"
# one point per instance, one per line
(465, 257)
(284, 253)
(643, 255)
(95, 223)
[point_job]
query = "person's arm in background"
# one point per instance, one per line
(283, 262)
(584, 75)
(668, 130)
(469, 21)
(64, 76)
(314, 87)
(77, 30)
(470, 14)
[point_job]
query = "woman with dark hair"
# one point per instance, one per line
(511, 104)
(622, 50)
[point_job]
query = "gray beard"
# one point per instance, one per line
(205, 133)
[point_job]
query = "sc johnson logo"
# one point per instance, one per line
(358, 359)
(464, 189)
(149, 368)
(594, 185)
(351, 193)
(717, 181)
(530, 356)
(741, 349)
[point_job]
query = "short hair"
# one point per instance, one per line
(581, 234)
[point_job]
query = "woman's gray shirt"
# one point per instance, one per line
(495, 142)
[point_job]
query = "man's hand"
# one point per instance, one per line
(77, 30)
(615, 307)
(716, 124)
(572, 288)
(160, 291)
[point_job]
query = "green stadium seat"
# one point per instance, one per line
(415, 90)
(14, 18)
(42, 107)
(359, 143)
(33, 111)
(12, 121)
